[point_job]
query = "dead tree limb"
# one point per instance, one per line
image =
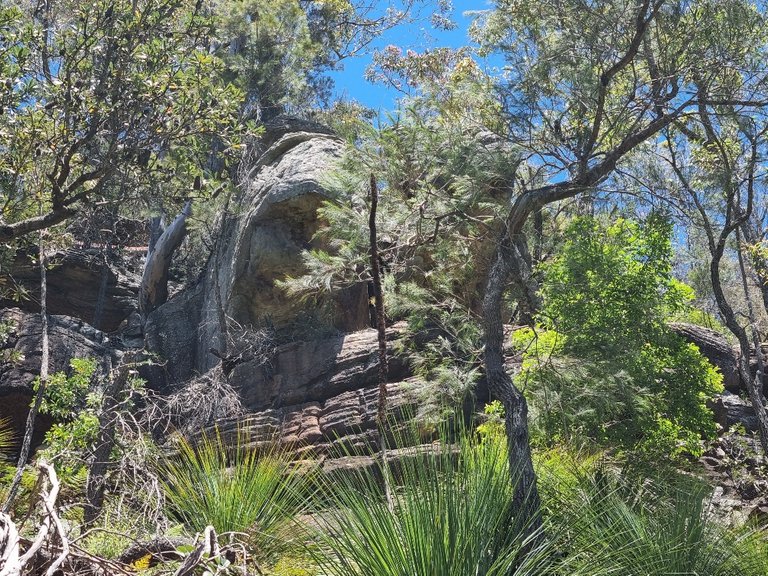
(14, 563)
(209, 547)
(153, 290)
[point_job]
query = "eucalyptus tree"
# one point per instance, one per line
(110, 102)
(716, 160)
(587, 84)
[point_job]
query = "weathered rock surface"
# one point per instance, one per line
(80, 285)
(274, 220)
(345, 421)
(68, 338)
(716, 348)
(732, 410)
(315, 370)
(733, 465)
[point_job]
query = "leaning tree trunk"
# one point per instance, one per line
(153, 290)
(526, 500)
(29, 427)
(754, 385)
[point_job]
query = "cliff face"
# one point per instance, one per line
(268, 226)
(313, 353)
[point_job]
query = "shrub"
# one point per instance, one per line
(603, 365)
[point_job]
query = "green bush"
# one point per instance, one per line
(603, 364)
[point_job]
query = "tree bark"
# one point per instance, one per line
(44, 361)
(754, 385)
(154, 281)
(378, 298)
(381, 329)
(526, 500)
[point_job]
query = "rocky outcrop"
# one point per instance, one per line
(271, 223)
(716, 348)
(333, 426)
(80, 285)
(69, 338)
(314, 370)
(733, 465)
(732, 410)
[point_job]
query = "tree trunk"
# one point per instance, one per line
(381, 329)
(113, 396)
(754, 385)
(154, 281)
(526, 500)
(44, 361)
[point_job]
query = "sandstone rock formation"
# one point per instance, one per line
(271, 222)
(319, 378)
(80, 285)
(69, 338)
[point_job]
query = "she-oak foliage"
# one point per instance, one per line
(606, 365)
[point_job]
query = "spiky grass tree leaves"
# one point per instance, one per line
(452, 516)
(234, 487)
(609, 526)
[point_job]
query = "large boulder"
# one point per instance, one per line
(716, 349)
(722, 354)
(315, 370)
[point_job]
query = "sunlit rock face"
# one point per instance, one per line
(271, 222)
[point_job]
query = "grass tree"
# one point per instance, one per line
(234, 488)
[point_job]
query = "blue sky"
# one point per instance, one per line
(418, 35)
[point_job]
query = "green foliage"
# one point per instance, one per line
(7, 355)
(234, 488)
(491, 429)
(657, 528)
(293, 566)
(109, 101)
(442, 182)
(68, 399)
(604, 364)
(64, 392)
(276, 51)
(452, 516)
